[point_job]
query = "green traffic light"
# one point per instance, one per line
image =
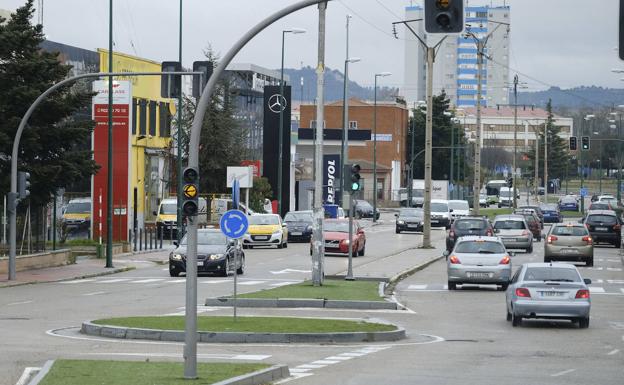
(355, 186)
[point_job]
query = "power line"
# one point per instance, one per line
(367, 22)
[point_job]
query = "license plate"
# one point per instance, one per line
(296, 233)
(412, 226)
(480, 275)
(200, 263)
(434, 221)
(569, 251)
(601, 229)
(262, 237)
(551, 294)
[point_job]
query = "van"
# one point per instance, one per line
(505, 197)
(167, 216)
(76, 215)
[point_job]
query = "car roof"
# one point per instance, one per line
(439, 201)
(556, 264)
(265, 215)
(601, 212)
(458, 200)
(300, 211)
(477, 237)
(80, 200)
(471, 217)
(336, 220)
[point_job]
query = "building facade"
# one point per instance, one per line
(455, 68)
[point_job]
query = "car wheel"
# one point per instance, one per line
(547, 260)
(452, 285)
(589, 262)
(241, 268)
(583, 323)
(174, 273)
(310, 251)
(504, 286)
(226, 269)
(398, 231)
(361, 252)
(280, 245)
(508, 316)
(516, 320)
(286, 245)
(530, 249)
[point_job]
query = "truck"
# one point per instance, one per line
(439, 190)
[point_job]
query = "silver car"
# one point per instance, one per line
(514, 232)
(548, 290)
(478, 260)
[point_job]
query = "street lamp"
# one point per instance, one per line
(587, 118)
(345, 122)
(619, 174)
(381, 74)
(281, 121)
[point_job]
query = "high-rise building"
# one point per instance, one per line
(455, 68)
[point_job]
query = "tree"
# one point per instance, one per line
(558, 155)
(261, 189)
(54, 147)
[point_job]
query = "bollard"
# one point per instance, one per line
(141, 239)
(161, 239)
(150, 238)
(134, 241)
(145, 239)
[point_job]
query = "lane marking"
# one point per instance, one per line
(614, 268)
(622, 290)
(593, 289)
(337, 358)
(26, 375)
(612, 352)
(616, 281)
(19, 303)
(310, 366)
(177, 281)
(563, 373)
(352, 354)
(77, 281)
(416, 287)
(94, 293)
(324, 362)
(295, 370)
(218, 281)
(249, 283)
(148, 280)
(114, 280)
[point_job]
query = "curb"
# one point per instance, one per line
(389, 290)
(114, 271)
(301, 302)
(92, 329)
(42, 373)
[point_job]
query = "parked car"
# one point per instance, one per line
(215, 254)
(604, 226)
(299, 225)
(538, 212)
(569, 242)
(533, 221)
(409, 219)
(551, 213)
(266, 230)
(568, 203)
(440, 213)
(514, 232)
(465, 226)
(548, 290)
(336, 236)
(478, 260)
(363, 209)
(460, 208)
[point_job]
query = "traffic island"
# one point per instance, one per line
(222, 329)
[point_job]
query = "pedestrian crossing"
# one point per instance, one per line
(174, 281)
(610, 287)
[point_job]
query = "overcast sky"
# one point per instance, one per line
(563, 43)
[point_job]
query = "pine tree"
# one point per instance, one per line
(54, 146)
(558, 156)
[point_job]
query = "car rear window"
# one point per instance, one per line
(551, 273)
(606, 219)
(570, 231)
(470, 224)
(599, 206)
(481, 247)
(509, 225)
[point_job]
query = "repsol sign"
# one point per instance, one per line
(331, 178)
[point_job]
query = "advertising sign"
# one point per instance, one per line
(331, 178)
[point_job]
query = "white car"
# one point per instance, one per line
(460, 208)
(440, 213)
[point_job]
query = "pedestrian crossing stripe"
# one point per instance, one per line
(595, 290)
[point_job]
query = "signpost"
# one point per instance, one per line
(234, 224)
(583, 192)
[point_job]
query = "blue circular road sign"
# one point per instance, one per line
(234, 224)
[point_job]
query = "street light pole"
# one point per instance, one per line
(345, 117)
(179, 144)
(109, 189)
(515, 203)
(382, 74)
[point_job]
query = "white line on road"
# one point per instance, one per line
(19, 303)
(310, 366)
(77, 281)
(612, 352)
(295, 370)
(218, 281)
(26, 375)
(622, 290)
(94, 293)
(324, 362)
(114, 280)
(563, 373)
(177, 281)
(149, 280)
(338, 358)
(416, 287)
(594, 290)
(248, 283)
(614, 268)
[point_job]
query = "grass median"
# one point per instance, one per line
(331, 290)
(492, 213)
(94, 372)
(250, 324)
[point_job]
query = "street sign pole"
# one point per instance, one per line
(234, 225)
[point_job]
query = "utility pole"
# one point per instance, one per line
(109, 189)
(545, 162)
(515, 203)
(179, 145)
(410, 186)
(344, 158)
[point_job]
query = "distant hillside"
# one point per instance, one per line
(334, 86)
(579, 97)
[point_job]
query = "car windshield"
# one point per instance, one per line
(509, 225)
(612, 202)
(208, 238)
(470, 224)
(551, 273)
(78, 208)
(480, 247)
(336, 226)
(462, 205)
(534, 208)
(411, 213)
(298, 217)
(438, 207)
(263, 220)
(506, 193)
(168, 208)
(549, 207)
(606, 219)
(570, 231)
(568, 200)
(364, 205)
(599, 206)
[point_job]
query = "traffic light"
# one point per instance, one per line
(573, 144)
(510, 182)
(170, 85)
(355, 177)
(199, 81)
(23, 184)
(444, 16)
(190, 205)
(585, 143)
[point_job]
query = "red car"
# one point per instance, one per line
(336, 235)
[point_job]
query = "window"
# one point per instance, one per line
(142, 117)
(313, 124)
(134, 115)
(165, 120)
(353, 125)
(152, 118)
(483, 15)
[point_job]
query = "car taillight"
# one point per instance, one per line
(489, 232)
(552, 238)
(583, 293)
(451, 234)
(587, 239)
(454, 260)
(522, 292)
(505, 261)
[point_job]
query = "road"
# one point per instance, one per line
(453, 337)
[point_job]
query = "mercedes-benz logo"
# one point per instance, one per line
(277, 103)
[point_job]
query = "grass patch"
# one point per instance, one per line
(491, 213)
(94, 372)
(250, 324)
(331, 289)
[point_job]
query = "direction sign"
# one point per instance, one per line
(234, 224)
(583, 191)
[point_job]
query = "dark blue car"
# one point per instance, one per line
(299, 224)
(551, 213)
(569, 203)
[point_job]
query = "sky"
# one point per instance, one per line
(563, 43)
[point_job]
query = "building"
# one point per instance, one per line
(455, 68)
(391, 134)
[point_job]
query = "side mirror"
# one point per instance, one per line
(155, 213)
(175, 243)
(587, 281)
(451, 210)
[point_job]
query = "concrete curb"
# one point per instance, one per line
(259, 377)
(114, 271)
(42, 373)
(302, 302)
(406, 273)
(92, 329)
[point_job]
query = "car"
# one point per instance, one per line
(483, 200)
(409, 219)
(505, 197)
(478, 260)
(569, 242)
(551, 213)
(514, 232)
(599, 206)
(541, 191)
(460, 208)
(568, 203)
(605, 197)
(532, 221)
(538, 212)
(363, 209)
(440, 213)
(549, 291)
(604, 226)
(468, 226)
(76, 216)
(215, 254)
(266, 230)
(299, 225)
(336, 236)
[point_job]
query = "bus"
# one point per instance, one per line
(492, 189)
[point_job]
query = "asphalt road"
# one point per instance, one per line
(458, 337)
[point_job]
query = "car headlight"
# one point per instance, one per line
(277, 232)
(309, 228)
(176, 256)
(214, 257)
(401, 222)
(345, 241)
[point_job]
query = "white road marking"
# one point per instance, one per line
(19, 303)
(616, 281)
(114, 280)
(310, 366)
(177, 281)
(416, 287)
(286, 271)
(295, 370)
(77, 281)
(148, 280)
(563, 373)
(338, 358)
(594, 290)
(26, 374)
(247, 357)
(622, 290)
(218, 281)
(598, 281)
(324, 362)
(352, 354)
(249, 283)
(594, 268)
(278, 284)
(614, 268)
(94, 293)
(612, 352)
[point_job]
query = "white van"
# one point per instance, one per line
(505, 197)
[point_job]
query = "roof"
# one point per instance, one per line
(366, 165)
(601, 212)
(506, 111)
